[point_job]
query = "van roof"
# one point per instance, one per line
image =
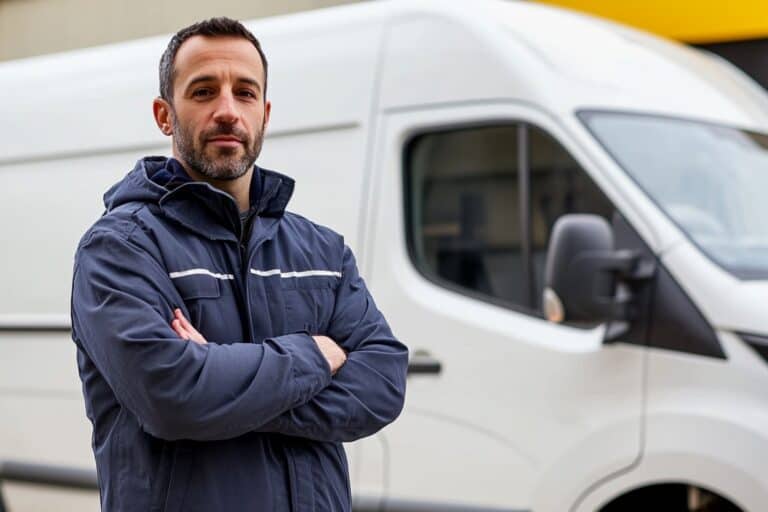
(564, 61)
(327, 68)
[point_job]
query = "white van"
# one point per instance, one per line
(445, 140)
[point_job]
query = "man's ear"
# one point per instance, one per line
(162, 111)
(267, 112)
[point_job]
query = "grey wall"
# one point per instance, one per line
(34, 27)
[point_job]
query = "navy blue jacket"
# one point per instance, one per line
(252, 421)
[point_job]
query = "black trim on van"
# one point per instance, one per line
(48, 475)
(422, 363)
(758, 343)
(665, 316)
(21, 327)
(363, 504)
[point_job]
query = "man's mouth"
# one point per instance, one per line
(225, 141)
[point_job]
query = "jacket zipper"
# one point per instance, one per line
(245, 313)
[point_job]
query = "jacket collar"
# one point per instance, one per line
(213, 213)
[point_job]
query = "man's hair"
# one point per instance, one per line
(214, 27)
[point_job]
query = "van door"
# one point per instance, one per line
(502, 407)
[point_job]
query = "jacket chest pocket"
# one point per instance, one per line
(203, 297)
(309, 303)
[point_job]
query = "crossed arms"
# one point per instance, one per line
(122, 309)
(332, 352)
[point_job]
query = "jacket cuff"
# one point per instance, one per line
(311, 371)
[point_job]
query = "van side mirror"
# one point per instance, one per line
(586, 278)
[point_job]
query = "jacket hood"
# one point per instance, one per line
(137, 186)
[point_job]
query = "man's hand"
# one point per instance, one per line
(184, 329)
(333, 353)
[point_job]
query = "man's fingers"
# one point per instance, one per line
(334, 354)
(185, 323)
(176, 326)
(185, 327)
(180, 320)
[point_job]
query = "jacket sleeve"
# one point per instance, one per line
(368, 392)
(122, 305)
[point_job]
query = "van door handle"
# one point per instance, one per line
(422, 362)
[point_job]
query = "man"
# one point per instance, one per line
(226, 347)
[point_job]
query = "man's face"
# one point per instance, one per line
(218, 112)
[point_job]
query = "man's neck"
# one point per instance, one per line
(239, 188)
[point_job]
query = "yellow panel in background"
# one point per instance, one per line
(692, 21)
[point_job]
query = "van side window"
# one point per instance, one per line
(465, 191)
(464, 219)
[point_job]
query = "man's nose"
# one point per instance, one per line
(226, 109)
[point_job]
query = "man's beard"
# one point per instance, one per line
(225, 165)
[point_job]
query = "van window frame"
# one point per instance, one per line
(524, 197)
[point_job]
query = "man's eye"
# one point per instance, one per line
(201, 93)
(247, 93)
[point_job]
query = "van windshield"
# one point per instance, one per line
(711, 180)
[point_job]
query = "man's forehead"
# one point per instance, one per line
(199, 53)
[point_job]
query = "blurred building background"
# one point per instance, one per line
(35, 27)
(734, 29)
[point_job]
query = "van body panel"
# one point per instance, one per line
(728, 303)
(416, 72)
(705, 425)
(90, 102)
(24, 371)
(52, 203)
(44, 421)
(33, 498)
(321, 170)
